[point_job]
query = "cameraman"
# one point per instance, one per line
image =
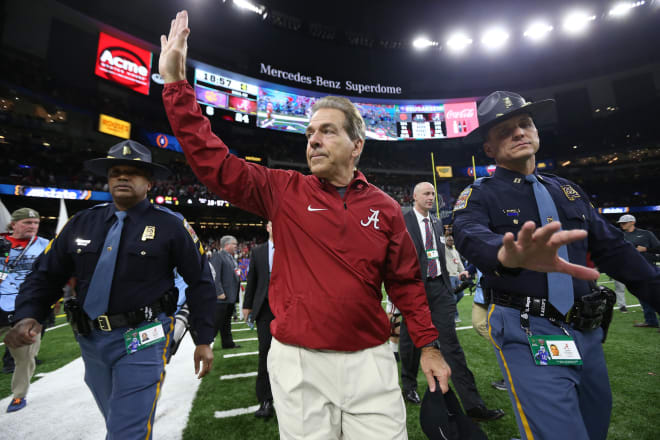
(23, 246)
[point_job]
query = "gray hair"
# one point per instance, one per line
(354, 124)
(224, 241)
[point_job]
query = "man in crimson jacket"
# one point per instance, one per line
(338, 239)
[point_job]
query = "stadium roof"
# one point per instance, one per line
(371, 42)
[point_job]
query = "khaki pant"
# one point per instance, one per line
(24, 364)
(480, 319)
(326, 395)
(620, 290)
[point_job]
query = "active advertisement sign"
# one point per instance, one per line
(114, 126)
(123, 63)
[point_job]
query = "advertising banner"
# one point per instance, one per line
(54, 193)
(114, 126)
(163, 141)
(461, 118)
(123, 63)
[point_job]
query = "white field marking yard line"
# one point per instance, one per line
(246, 339)
(237, 376)
(251, 353)
(236, 412)
(241, 330)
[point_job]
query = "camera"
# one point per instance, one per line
(5, 247)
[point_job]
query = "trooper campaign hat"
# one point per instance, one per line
(500, 106)
(442, 418)
(127, 153)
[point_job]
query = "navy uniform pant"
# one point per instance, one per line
(125, 386)
(552, 402)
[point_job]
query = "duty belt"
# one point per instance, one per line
(537, 306)
(588, 312)
(107, 323)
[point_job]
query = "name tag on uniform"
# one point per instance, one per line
(432, 254)
(554, 350)
(143, 337)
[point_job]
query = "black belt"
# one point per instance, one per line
(128, 319)
(439, 277)
(537, 306)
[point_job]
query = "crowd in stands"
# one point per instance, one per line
(48, 129)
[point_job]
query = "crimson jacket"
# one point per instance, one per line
(333, 253)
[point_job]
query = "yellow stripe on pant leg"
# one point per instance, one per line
(162, 376)
(523, 417)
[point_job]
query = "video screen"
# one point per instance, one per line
(283, 111)
(380, 120)
(225, 97)
(265, 105)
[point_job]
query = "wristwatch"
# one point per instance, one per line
(435, 343)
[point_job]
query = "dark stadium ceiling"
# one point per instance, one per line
(371, 41)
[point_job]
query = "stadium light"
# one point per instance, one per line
(458, 42)
(622, 9)
(495, 38)
(252, 7)
(538, 30)
(577, 22)
(423, 42)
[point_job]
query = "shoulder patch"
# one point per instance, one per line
(193, 235)
(462, 201)
(570, 192)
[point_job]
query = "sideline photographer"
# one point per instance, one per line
(20, 248)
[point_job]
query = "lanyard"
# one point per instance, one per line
(8, 267)
(525, 312)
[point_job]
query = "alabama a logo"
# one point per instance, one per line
(372, 219)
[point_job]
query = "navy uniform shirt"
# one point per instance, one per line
(154, 241)
(489, 208)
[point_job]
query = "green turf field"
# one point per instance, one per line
(633, 357)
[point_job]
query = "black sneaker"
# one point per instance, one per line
(623, 309)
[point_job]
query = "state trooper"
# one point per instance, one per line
(123, 255)
(518, 224)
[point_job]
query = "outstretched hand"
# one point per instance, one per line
(173, 50)
(536, 249)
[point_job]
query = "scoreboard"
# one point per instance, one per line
(226, 97)
(266, 105)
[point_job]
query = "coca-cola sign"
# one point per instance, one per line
(461, 118)
(465, 113)
(123, 63)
